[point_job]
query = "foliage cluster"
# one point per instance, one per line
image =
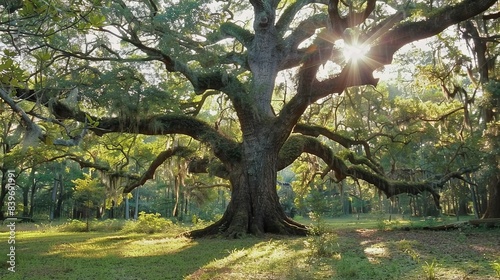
(148, 223)
(73, 225)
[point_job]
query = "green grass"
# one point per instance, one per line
(349, 249)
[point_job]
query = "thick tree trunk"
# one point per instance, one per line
(254, 207)
(3, 191)
(490, 116)
(493, 209)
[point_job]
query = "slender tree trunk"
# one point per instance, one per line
(127, 208)
(136, 213)
(26, 201)
(475, 203)
(175, 210)
(32, 199)
(58, 207)
(53, 199)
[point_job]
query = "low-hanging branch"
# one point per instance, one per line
(162, 157)
(224, 148)
(105, 168)
(298, 144)
(346, 142)
(34, 130)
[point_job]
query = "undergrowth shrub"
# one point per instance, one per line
(46, 227)
(496, 267)
(73, 226)
(148, 223)
(321, 242)
(430, 269)
(110, 225)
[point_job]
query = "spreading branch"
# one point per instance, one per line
(34, 130)
(303, 144)
(346, 142)
(160, 158)
(224, 148)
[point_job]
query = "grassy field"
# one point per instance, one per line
(348, 248)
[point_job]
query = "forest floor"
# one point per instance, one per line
(347, 248)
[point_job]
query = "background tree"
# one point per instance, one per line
(149, 68)
(88, 193)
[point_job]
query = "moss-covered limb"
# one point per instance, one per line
(391, 188)
(346, 142)
(387, 42)
(305, 30)
(210, 166)
(103, 167)
(231, 29)
(288, 15)
(393, 40)
(224, 148)
(298, 144)
(160, 158)
(369, 162)
(339, 23)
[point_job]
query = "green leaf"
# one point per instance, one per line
(97, 20)
(9, 53)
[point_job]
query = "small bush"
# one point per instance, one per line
(73, 226)
(430, 270)
(321, 243)
(148, 223)
(110, 225)
(496, 268)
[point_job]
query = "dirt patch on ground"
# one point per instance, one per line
(460, 254)
(454, 243)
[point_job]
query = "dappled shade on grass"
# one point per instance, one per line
(351, 249)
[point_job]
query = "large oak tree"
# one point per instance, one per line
(97, 63)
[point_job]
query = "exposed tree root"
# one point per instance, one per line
(285, 226)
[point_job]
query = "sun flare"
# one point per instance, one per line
(355, 52)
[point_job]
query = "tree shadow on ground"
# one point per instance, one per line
(115, 256)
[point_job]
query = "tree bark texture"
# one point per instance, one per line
(254, 207)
